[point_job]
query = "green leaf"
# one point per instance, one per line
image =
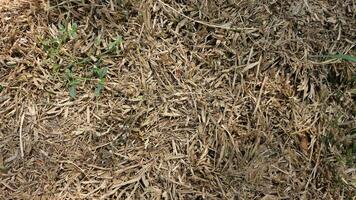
(61, 28)
(343, 57)
(73, 30)
(73, 91)
(69, 73)
(102, 72)
(99, 87)
(1, 88)
(115, 43)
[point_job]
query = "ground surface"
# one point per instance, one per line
(200, 99)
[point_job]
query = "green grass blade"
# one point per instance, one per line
(343, 57)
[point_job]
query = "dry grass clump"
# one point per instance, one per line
(201, 100)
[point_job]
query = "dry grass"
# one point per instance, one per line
(202, 100)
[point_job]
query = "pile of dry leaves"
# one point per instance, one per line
(177, 99)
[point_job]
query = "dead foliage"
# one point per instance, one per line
(202, 100)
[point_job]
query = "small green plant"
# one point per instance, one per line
(114, 46)
(100, 73)
(66, 33)
(1, 88)
(54, 47)
(73, 82)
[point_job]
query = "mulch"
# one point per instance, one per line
(201, 100)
